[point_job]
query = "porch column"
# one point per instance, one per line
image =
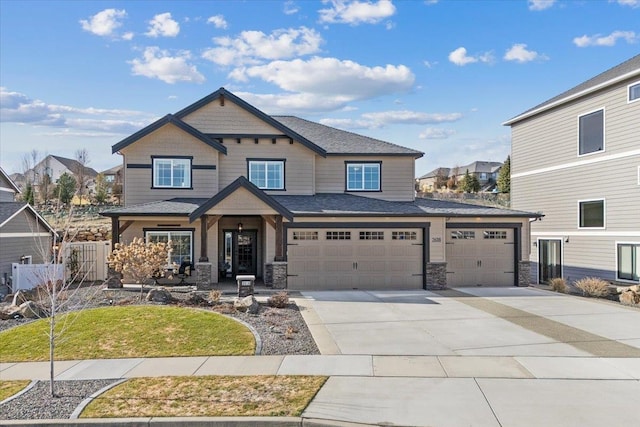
(115, 231)
(279, 239)
(204, 257)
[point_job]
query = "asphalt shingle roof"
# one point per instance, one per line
(174, 207)
(7, 209)
(336, 141)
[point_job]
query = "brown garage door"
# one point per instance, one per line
(355, 258)
(480, 257)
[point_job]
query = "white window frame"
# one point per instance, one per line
(616, 244)
(604, 133)
(173, 160)
(629, 100)
(168, 233)
(604, 214)
(362, 165)
(266, 164)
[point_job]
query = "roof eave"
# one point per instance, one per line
(572, 97)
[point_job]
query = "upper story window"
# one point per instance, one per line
(171, 172)
(591, 213)
(591, 132)
(634, 92)
(363, 176)
(267, 174)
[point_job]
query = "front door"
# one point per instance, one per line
(244, 252)
(549, 259)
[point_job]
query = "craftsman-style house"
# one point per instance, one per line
(303, 205)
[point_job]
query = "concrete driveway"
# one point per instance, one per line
(471, 322)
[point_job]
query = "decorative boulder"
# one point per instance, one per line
(31, 310)
(162, 296)
(247, 304)
(196, 299)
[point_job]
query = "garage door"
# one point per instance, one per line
(480, 257)
(355, 258)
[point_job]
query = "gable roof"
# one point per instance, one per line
(222, 92)
(479, 167)
(72, 164)
(241, 182)
(168, 119)
(339, 142)
(627, 69)
(112, 171)
(434, 173)
(9, 181)
(9, 210)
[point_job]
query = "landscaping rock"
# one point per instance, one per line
(6, 311)
(630, 297)
(247, 304)
(31, 310)
(196, 299)
(159, 295)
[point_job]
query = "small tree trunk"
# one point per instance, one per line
(52, 340)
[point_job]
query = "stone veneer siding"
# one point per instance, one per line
(436, 275)
(275, 275)
(204, 271)
(524, 273)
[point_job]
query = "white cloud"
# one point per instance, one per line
(630, 3)
(287, 102)
(610, 40)
(104, 23)
(519, 53)
(331, 77)
(355, 12)
(460, 57)
(430, 2)
(159, 64)
(436, 133)
(162, 25)
(252, 47)
(127, 36)
(540, 4)
(218, 21)
(385, 118)
(290, 8)
(16, 107)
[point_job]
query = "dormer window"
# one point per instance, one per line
(363, 176)
(591, 132)
(172, 172)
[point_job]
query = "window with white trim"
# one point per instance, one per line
(628, 261)
(591, 213)
(363, 176)
(338, 235)
(267, 174)
(372, 235)
(634, 92)
(591, 132)
(181, 243)
(171, 173)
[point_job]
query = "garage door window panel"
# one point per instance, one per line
(372, 235)
(463, 235)
(338, 235)
(404, 235)
(363, 176)
(305, 235)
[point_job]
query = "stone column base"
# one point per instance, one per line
(436, 275)
(204, 271)
(279, 275)
(524, 273)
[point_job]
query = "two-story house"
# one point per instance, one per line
(25, 237)
(303, 205)
(576, 158)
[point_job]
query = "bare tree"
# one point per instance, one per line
(82, 157)
(45, 184)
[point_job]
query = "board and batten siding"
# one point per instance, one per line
(227, 118)
(168, 141)
(548, 176)
(397, 176)
(298, 165)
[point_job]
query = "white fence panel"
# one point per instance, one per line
(28, 276)
(87, 259)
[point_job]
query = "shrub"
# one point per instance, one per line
(558, 284)
(214, 296)
(593, 287)
(139, 260)
(279, 300)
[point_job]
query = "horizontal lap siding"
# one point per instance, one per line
(230, 118)
(397, 176)
(168, 141)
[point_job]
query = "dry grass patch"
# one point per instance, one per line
(9, 388)
(131, 331)
(210, 396)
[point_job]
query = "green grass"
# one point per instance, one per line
(131, 331)
(9, 388)
(207, 396)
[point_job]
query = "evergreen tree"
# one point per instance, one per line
(101, 189)
(504, 177)
(66, 188)
(29, 194)
(466, 184)
(475, 184)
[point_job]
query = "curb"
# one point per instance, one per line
(21, 392)
(76, 412)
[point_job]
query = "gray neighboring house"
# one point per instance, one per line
(304, 206)
(25, 237)
(486, 172)
(576, 159)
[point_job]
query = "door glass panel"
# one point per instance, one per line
(549, 260)
(245, 253)
(228, 251)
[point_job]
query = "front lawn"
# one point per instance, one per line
(211, 396)
(9, 388)
(131, 331)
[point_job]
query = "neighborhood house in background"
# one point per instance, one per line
(444, 178)
(304, 206)
(576, 159)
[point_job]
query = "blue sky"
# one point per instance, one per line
(437, 76)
